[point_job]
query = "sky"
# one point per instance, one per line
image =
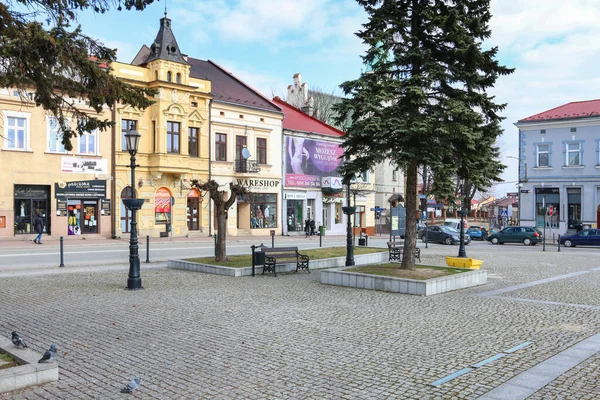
(553, 44)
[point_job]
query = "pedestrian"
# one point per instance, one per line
(38, 227)
(313, 227)
(307, 227)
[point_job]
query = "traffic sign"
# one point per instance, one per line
(550, 210)
(504, 213)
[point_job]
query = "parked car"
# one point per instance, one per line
(516, 234)
(586, 237)
(477, 232)
(442, 234)
(454, 223)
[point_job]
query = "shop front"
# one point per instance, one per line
(29, 201)
(294, 205)
(81, 207)
(258, 211)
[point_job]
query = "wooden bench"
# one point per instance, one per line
(396, 249)
(278, 255)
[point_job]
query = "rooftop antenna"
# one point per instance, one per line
(165, 8)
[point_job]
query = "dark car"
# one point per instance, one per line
(586, 237)
(477, 232)
(442, 234)
(516, 234)
(574, 224)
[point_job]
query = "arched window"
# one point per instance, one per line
(178, 78)
(169, 76)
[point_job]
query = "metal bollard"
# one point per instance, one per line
(253, 247)
(62, 264)
(147, 248)
(273, 241)
(544, 243)
(320, 240)
(366, 240)
(559, 242)
(215, 244)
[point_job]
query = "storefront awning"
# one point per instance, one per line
(395, 197)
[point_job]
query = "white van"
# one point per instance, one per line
(454, 223)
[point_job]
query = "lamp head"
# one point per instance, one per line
(132, 139)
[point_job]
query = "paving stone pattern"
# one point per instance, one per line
(200, 336)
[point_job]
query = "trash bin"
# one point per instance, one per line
(259, 255)
(362, 241)
(322, 230)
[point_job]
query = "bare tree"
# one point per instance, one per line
(221, 207)
(320, 106)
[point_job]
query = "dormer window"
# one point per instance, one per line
(169, 76)
(155, 75)
(178, 78)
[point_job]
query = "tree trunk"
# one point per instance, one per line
(221, 254)
(410, 236)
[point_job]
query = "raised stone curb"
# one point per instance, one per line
(427, 287)
(28, 373)
(361, 259)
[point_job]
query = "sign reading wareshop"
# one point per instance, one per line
(95, 189)
(258, 183)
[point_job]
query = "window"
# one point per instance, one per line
(193, 142)
(394, 175)
(543, 155)
(221, 147)
(338, 213)
(573, 154)
(261, 150)
(126, 125)
(55, 137)
(173, 137)
(240, 143)
(169, 76)
(17, 131)
(88, 143)
(263, 210)
(178, 78)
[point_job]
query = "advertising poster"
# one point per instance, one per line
(81, 165)
(307, 161)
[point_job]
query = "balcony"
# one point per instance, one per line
(246, 166)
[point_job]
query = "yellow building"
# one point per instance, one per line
(69, 189)
(174, 146)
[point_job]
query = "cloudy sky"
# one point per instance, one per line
(553, 44)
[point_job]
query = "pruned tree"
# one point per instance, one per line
(425, 100)
(61, 64)
(221, 207)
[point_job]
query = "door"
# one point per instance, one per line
(90, 217)
(193, 205)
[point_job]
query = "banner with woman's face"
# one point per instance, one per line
(307, 161)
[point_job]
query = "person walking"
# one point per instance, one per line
(38, 227)
(307, 227)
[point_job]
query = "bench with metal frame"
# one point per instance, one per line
(396, 249)
(278, 255)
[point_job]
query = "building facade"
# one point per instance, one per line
(69, 189)
(245, 143)
(559, 167)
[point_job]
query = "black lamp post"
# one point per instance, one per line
(134, 281)
(462, 252)
(349, 211)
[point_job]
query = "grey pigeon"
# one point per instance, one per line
(132, 386)
(49, 355)
(18, 341)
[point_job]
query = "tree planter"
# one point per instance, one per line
(461, 262)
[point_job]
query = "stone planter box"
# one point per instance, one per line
(361, 259)
(28, 373)
(427, 287)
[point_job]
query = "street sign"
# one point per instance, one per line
(504, 213)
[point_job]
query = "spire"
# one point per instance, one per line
(165, 46)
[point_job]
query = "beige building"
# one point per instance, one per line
(69, 189)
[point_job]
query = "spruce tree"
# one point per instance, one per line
(41, 51)
(424, 101)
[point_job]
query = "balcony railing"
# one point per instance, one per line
(245, 165)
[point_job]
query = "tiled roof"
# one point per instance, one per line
(227, 88)
(575, 109)
(297, 120)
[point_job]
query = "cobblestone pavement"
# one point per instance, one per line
(200, 336)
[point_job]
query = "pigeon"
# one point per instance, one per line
(49, 355)
(132, 386)
(18, 341)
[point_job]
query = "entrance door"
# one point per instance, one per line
(90, 217)
(193, 205)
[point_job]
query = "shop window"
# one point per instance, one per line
(16, 134)
(55, 136)
(193, 210)
(126, 125)
(193, 142)
(162, 206)
(173, 137)
(338, 213)
(263, 210)
(548, 197)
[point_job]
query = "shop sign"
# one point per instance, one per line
(31, 192)
(307, 161)
(95, 189)
(294, 196)
(331, 182)
(82, 165)
(258, 183)
(105, 207)
(61, 207)
(547, 190)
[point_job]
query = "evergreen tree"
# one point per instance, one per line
(41, 51)
(424, 101)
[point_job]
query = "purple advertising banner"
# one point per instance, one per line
(307, 161)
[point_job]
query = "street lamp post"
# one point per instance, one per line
(349, 211)
(134, 281)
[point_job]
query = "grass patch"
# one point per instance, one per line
(422, 272)
(314, 254)
(6, 361)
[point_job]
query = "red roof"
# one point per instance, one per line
(575, 109)
(297, 120)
